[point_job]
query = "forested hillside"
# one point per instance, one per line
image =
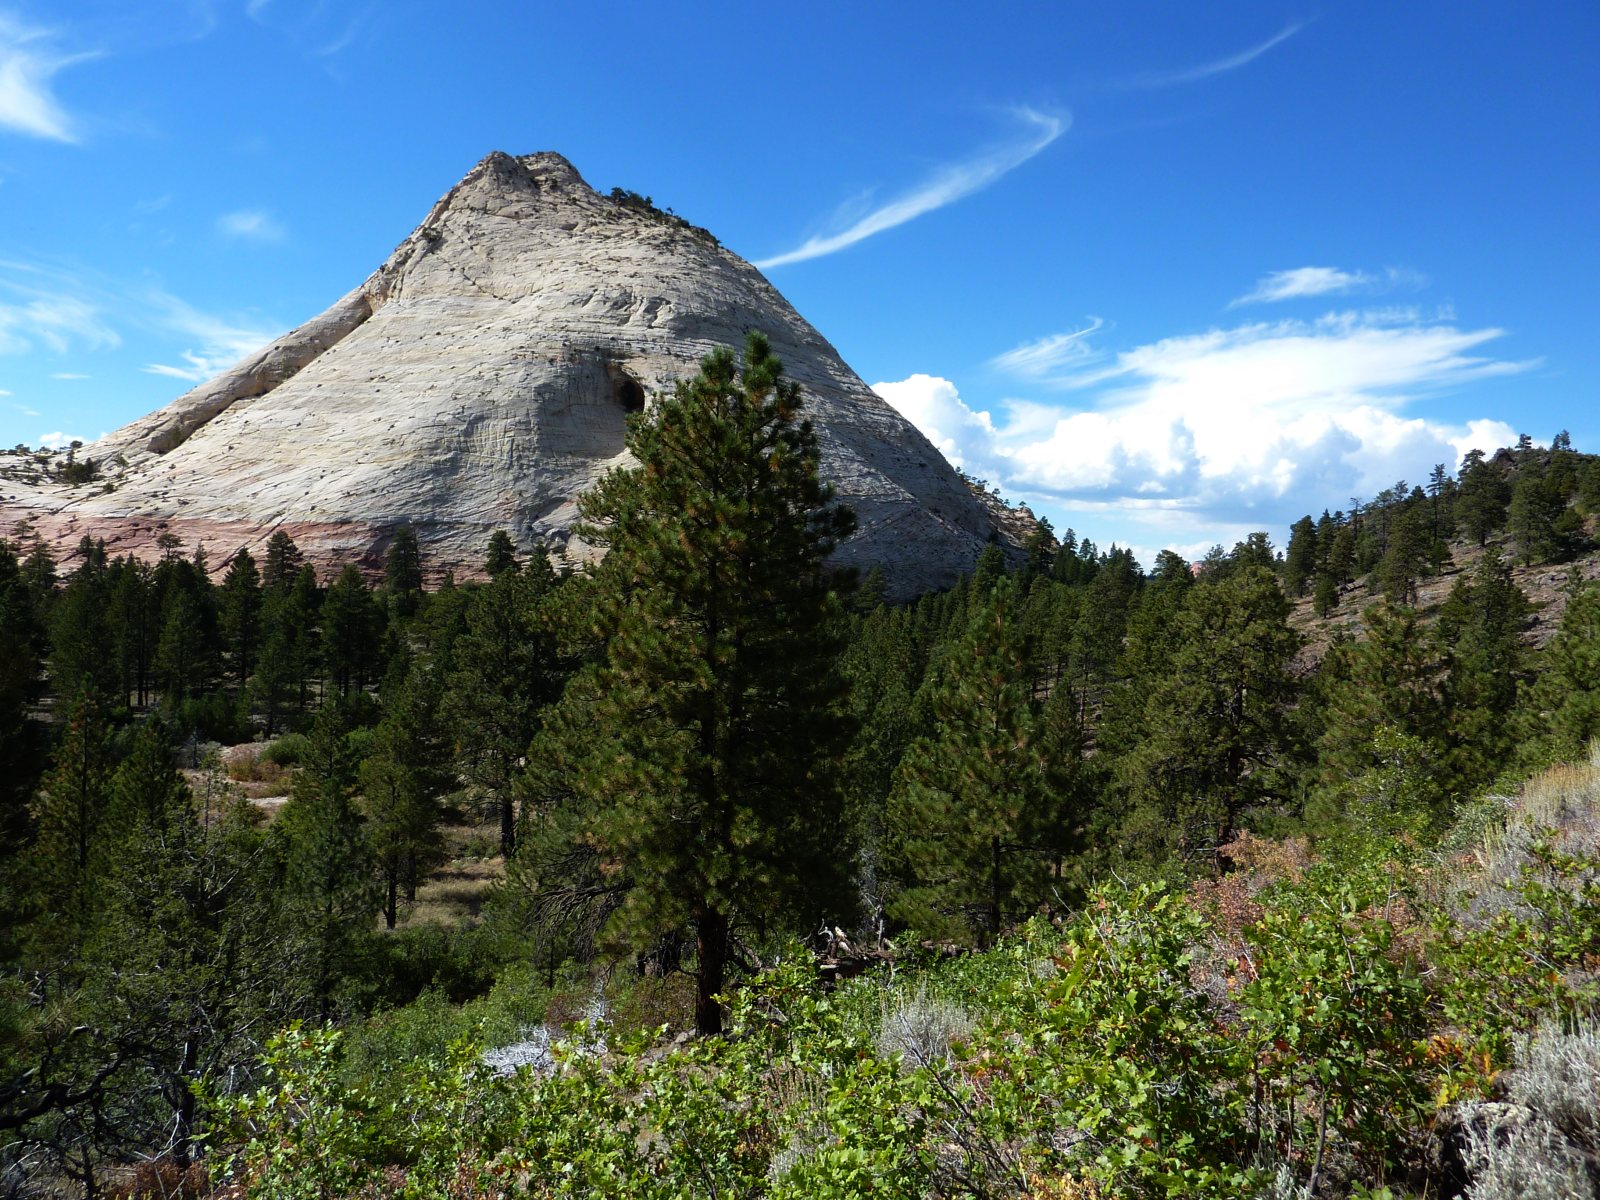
(1260, 875)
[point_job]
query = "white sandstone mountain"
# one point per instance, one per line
(480, 378)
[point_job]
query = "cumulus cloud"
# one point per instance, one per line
(29, 63)
(250, 224)
(1303, 282)
(59, 440)
(947, 185)
(218, 342)
(1234, 428)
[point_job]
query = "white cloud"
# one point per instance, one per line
(56, 319)
(58, 440)
(1242, 428)
(1157, 79)
(219, 342)
(966, 438)
(251, 224)
(28, 66)
(68, 375)
(945, 186)
(1302, 282)
(1048, 355)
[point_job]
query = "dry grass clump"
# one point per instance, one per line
(1557, 811)
(455, 894)
(162, 1179)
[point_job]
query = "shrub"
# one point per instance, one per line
(288, 751)
(1515, 1155)
(922, 1029)
(254, 767)
(214, 718)
(1557, 1075)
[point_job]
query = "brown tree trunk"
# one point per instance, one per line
(994, 890)
(508, 826)
(711, 964)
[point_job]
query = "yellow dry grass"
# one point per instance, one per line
(454, 893)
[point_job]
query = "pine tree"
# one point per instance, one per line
(505, 671)
(1219, 727)
(331, 889)
(136, 627)
(80, 635)
(1300, 559)
(1404, 559)
(180, 668)
(1392, 678)
(283, 562)
(69, 817)
(240, 615)
(1481, 624)
(402, 571)
(289, 646)
(984, 807)
(21, 638)
(1441, 509)
(1039, 552)
(717, 722)
(1342, 554)
(352, 632)
(1563, 716)
(402, 778)
(183, 963)
(502, 556)
(1481, 497)
(1536, 517)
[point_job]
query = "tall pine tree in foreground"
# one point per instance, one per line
(716, 708)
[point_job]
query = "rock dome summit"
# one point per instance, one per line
(481, 378)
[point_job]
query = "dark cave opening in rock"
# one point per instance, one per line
(630, 394)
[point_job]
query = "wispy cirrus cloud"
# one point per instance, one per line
(1048, 356)
(1303, 282)
(322, 29)
(58, 321)
(947, 185)
(251, 225)
(216, 342)
(1220, 66)
(29, 62)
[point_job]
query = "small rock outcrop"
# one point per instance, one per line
(480, 378)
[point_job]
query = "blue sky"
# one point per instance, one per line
(1168, 275)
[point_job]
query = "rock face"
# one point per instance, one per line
(480, 378)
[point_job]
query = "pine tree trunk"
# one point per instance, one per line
(994, 889)
(711, 963)
(390, 905)
(508, 826)
(185, 1116)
